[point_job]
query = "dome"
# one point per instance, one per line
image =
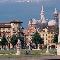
(39, 21)
(43, 21)
(51, 23)
(34, 21)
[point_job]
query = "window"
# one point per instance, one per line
(0, 34)
(13, 29)
(43, 34)
(8, 28)
(3, 28)
(43, 30)
(51, 32)
(46, 34)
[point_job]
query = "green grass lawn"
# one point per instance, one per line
(11, 53)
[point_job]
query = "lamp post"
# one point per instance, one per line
(47, 51)
(0, 41)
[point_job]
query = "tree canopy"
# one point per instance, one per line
(4, 40)
(55, 40)
(37, 38)
(13, 40)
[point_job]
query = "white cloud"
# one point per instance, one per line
(22, 0)
(30, 0)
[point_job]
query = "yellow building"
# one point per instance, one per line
(47, 36)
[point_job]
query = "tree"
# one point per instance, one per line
(13, 40)
(4, 41)
(37, 39)
(55, 40)
(21, 37)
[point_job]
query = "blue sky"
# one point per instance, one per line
(22, 0)
(26, 9)
(25, 0)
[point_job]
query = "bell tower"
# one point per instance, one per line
(55, 16)
(15, 27)
(42, 14)
(59, 30)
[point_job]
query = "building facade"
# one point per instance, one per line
(41, 25)
(10, 28)
(47, 36)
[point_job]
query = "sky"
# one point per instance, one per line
(25, 10)
(25, 0)
(22, 0)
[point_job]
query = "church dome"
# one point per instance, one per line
(34, 21)
(38, 21)
(43, 21)
(52, 23)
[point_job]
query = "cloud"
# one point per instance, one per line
(30, 0)
(22, 0)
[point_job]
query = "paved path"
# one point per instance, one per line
(33, 58)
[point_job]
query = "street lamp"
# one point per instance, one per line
(0, 45)
(0, 40)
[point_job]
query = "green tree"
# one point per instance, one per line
(4, 41)
(55, 40)
(13, 40)
(21, 37)
(37, 39)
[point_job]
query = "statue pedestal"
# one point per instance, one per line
(38, 47)
(18, 51)
(58, 49)
(47, 51)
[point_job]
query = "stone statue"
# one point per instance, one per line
(18, 47)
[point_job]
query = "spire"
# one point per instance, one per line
(55, 12)
(42, 14)
(42, 9)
